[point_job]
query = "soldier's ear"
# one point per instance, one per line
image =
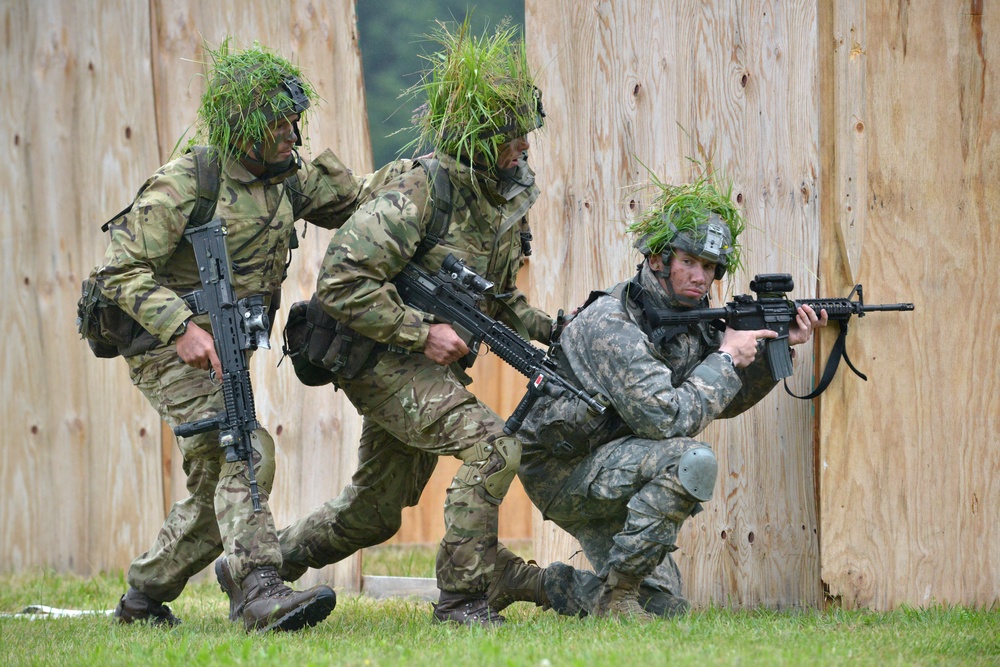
(655, 262)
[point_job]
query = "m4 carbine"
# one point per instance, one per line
(772, 310)
(453, 296)
(238, 326)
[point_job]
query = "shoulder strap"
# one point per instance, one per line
(207, 181)
(296, 197)
(441, 203)
(207, 173)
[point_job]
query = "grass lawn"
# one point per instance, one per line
(365, 632)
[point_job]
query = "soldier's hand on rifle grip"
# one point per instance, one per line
(742, 345)
(444, 346)
(196, 347)
(805, 321)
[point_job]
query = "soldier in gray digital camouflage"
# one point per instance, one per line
(398, 366)
(623, 483)
(249, 117)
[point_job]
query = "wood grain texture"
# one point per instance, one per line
(909, 459)
(77, 122)
(628, 84)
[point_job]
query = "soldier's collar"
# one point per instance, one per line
(235, 170)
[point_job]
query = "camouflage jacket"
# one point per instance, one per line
(380, 238)
(653, 391)
(148, 263)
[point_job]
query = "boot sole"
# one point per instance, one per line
(307, 615)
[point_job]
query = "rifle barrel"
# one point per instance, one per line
(887, 306)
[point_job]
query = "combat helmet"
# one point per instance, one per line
(697, 217)
(480, 93)
(245, 92)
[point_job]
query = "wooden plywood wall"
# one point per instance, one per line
(627, 84)
(78, 120)
(96, 97)
(909, 459)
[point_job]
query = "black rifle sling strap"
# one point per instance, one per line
(207, 181)
(441, 202)
(832, 363)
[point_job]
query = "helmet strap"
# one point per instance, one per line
(274, 172)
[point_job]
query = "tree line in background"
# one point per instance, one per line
(393, 39)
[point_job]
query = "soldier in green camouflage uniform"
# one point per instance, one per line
(410, 391)
(148, 268)
(624, 482)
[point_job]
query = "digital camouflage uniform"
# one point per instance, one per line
(414, 409)
(611, 481)
(147, 267)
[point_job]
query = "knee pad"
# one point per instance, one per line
(491, 465)
(696, 471)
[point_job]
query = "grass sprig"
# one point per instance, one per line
(243, 94)
(479, 92)
(683, 208)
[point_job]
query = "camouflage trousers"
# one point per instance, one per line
(218, 515)
(624, 504)
(414, 411)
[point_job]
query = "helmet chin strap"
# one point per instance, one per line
(274, 171)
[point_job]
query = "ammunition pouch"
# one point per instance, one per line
(322, 349)
(109, 330)
(568, 429)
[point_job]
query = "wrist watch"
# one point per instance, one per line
(180, 330)
(728, 357)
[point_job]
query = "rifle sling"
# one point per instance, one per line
(832, 363)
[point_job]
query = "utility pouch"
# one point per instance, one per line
(322, 349)
(109, 331)
(570, 430)
(296, 335)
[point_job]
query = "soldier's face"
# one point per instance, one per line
(690, 277)
(512, 152)
(279, 144)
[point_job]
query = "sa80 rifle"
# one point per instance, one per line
(238, 326)
(453, 296)
(773, 310)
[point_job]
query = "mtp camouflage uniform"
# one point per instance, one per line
(612, 481)
(149, 266)
(414, 409)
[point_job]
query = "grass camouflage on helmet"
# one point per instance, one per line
(480, 93)
(679, 215)
(245, 91)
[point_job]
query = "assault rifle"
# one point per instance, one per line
(453, 295)
(238, 326)
(771, 310)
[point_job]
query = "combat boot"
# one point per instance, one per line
(466, 610)
(229, 586)
(619, 599)
(137, 607)
(268, 604)
(662, 603)
(515, 580)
